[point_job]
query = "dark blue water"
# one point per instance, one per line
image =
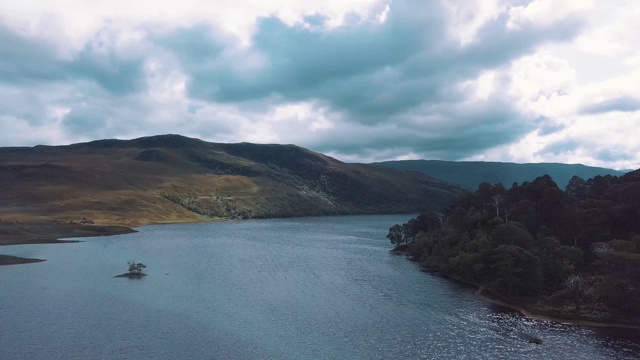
(312, 288)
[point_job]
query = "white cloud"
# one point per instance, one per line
(545, 12)
(79, 20)
(466, 18)
(542, 84)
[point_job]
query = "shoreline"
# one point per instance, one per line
(478, 292)
(50, 232)
(6, 260)
(526, 313)
(26, 233)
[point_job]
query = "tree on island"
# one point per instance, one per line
(135, 268)
(134, 271)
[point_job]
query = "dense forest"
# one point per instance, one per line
(572, 254)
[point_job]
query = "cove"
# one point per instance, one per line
(307, 288)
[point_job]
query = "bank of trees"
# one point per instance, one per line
(575, 250)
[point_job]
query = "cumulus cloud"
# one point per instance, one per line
(365, 80)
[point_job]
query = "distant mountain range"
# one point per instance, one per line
(470, 174)
(172, 178)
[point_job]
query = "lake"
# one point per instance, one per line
(308, 288)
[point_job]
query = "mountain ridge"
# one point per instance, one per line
(173, 178)
(470, 174)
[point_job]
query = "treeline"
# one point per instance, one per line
(572, 253)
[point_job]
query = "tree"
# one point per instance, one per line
(576, 290)
(409, 231)
(495, 201)
(518, 271)
(576, 189)
(512, 234)
(395, 235)
(135, 268)
(441, 217)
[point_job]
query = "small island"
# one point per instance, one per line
(134, 271)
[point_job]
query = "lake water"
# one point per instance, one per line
(310, 288)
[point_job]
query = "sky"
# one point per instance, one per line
(361, 80)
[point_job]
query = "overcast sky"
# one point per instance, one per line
(362, 80)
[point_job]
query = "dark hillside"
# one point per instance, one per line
(470, 174)
(172, 178)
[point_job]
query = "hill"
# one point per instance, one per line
(172, 178)
(470, 174)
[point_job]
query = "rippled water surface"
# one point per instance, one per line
(311, 288)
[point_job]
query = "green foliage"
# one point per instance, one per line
(517, 271)
(512, 234)
(135, 268)
(395, 235)
(578, 249)
(623, 246)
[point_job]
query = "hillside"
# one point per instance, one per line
(470, 174)
(171, 178)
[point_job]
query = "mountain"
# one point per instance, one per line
(172, 178)
(470, 174)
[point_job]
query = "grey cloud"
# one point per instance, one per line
(611, 155)
(28, 61)
(336, 66)
(560, 147)
(405, 72)
(390, 88)
(548, 126)
(116, 75)
(368, 70)
(450, 135)
(377, 74)
(25, 60)
(622, 104)
(195, 46)
(567, 146)
(85, 121)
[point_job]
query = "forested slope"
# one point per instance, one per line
(570, 254)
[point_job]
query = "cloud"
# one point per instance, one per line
(561, 147)
(622, 104)
(28, 60)
(362, 80)
(395, 83)
(365, 68)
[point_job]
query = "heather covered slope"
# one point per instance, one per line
(171, 178)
